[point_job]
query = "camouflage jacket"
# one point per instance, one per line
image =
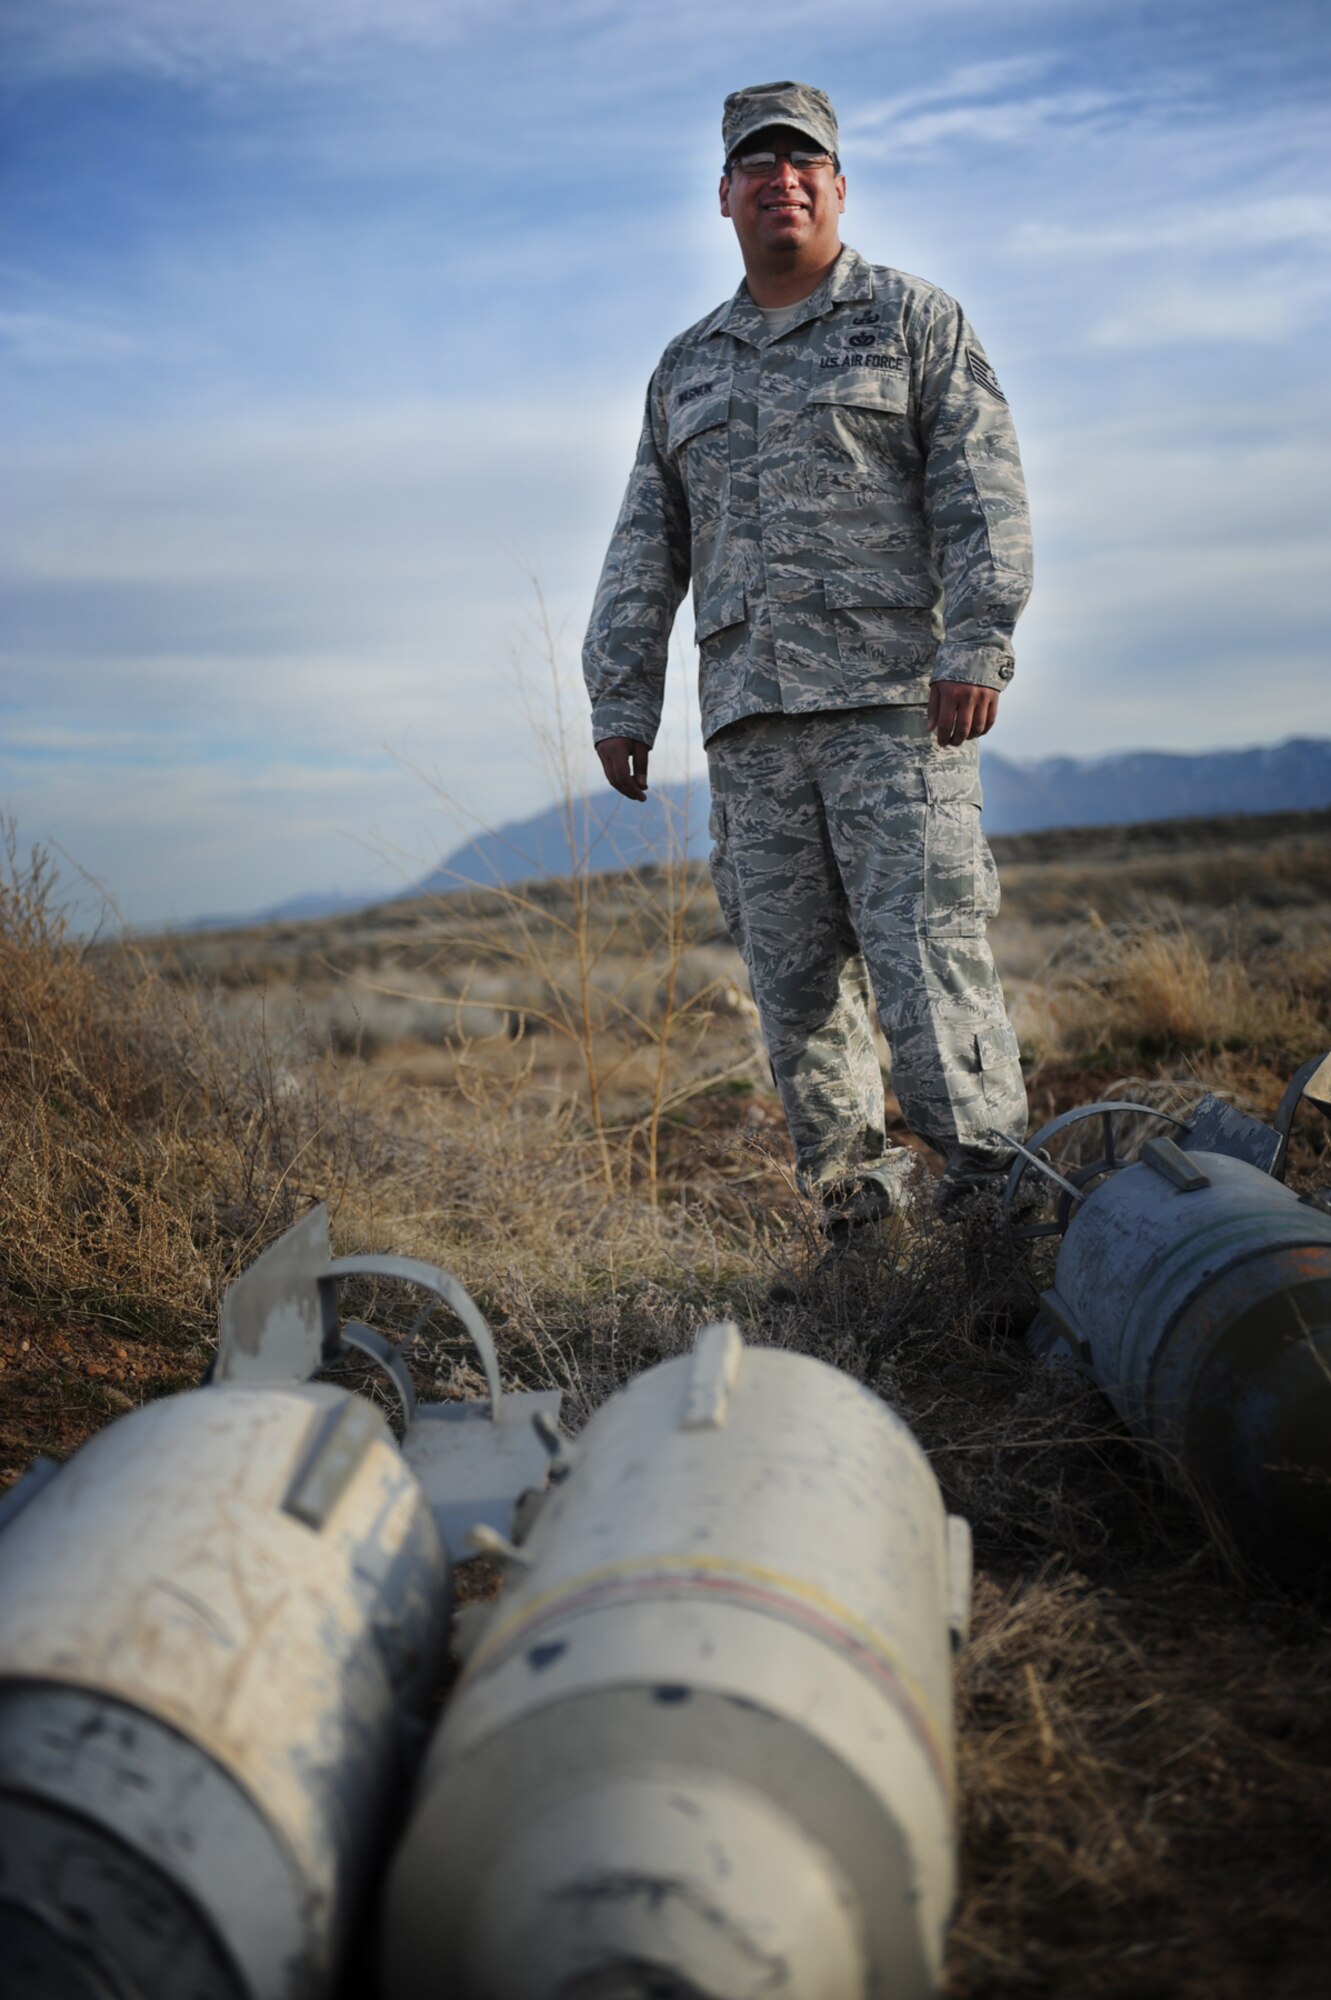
(846, 496)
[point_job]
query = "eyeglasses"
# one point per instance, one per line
(757, 164)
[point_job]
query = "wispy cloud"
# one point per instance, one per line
(965, 84)
(999, 103)
(190, 837)
(49, 339)
(192, 38)
(318, 587)
(100, 746)
(1227, 226)
(1169, 314)
(323, 319)
(1016, 122)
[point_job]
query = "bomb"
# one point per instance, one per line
(1195, 1290)
(703, 1746)
(214, 1623)
(222, 1625)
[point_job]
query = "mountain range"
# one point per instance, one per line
(1020, 797)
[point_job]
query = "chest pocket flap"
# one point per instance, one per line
(698, 406)
(864, 387)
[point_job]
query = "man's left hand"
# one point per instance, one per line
(958, 711)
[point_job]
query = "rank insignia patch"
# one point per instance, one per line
(982, 373)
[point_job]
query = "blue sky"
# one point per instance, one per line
(326, 323)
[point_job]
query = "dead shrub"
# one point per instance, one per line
(1158, 990)
(1143, 1744)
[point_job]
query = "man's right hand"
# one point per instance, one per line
(624, 761)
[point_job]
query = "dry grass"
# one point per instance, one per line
(1164, 989)
(93, 1086)
(1144, 1748)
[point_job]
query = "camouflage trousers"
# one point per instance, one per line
(847, 850)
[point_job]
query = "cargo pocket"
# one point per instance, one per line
(724, 879)
(864, 392)
(719, 613)
(881, 621)
(998, 1064)
(858, 430)
(698, 440)
(960, 881)
(721, 634)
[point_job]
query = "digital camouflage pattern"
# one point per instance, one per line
(846, 496)
(848, 850)
(763, 104)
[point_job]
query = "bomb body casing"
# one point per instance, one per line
(1200, 1302)
(214, 1623)
(703, 1746)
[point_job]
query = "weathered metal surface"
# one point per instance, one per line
(342, 1437)
(1309, 1085)
(960, 1577)
(1180, 1169)
(42, 1963)
(279, 1319)
(376, 1347)
(713, 1372)
(218, 1626)
(1035, 1165)
(224, 1678)
(38, 1476)
(1242, 1391)
(474, 1468)
(703, 1744)
(476, 1461)
(135, 1858)
(1317, 1085)
(1203, 1310)
(278, 1323)
(411, 1271)
(1217, 1127)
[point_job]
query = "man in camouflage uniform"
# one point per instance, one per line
(830, 458)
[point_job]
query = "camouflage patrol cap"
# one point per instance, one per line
(763, 104)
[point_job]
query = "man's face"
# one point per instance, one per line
(787, 211)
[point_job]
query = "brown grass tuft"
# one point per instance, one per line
(1144, 1746)
(1161, 990)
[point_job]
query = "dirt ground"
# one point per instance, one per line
(1144, 1734)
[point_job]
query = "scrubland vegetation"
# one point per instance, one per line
(559, 1094)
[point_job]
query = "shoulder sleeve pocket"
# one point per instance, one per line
(995, 472)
